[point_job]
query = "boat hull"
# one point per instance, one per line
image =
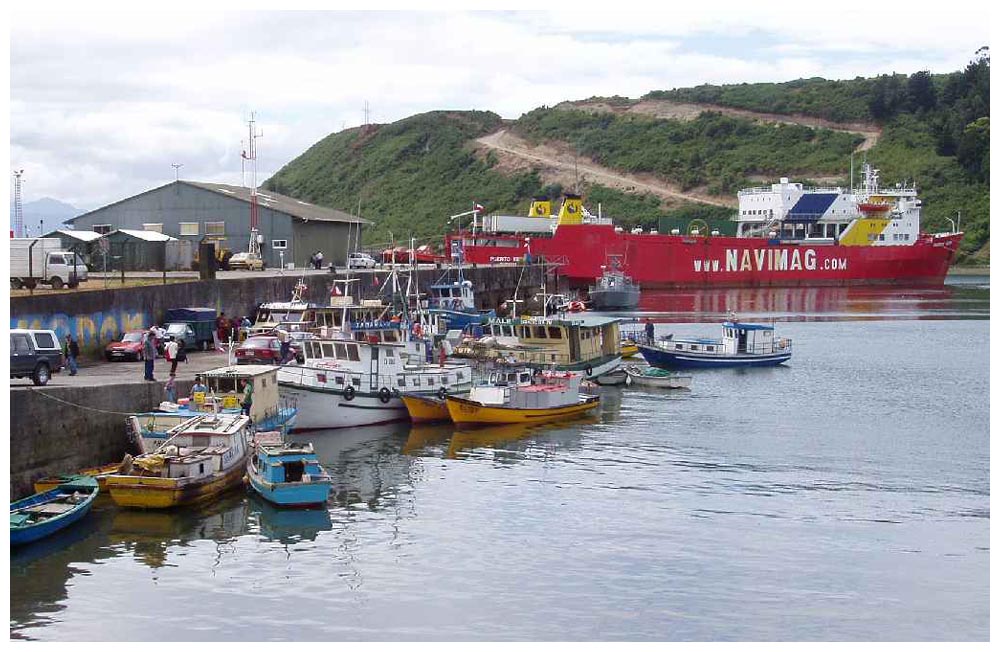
(606, 300)
(673, 381)
(657, 357)
(465, 412)
(426, 409)
(289, 494)
(659, 261)
(28, 534)
(153, 426)
(164, 493)
(321, 409)
(101, 473)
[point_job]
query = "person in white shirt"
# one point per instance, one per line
(171, 354)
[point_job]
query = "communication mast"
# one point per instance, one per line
(250, 154)
(18, 226)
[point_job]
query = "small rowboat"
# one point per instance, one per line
(653, 377)
(612, 378)
(101, 473)
(46, 513)
(629, 348)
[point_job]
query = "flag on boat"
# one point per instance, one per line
(336, 291)
(478, 208)
(374, 280)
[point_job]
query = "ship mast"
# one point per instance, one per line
(250, 154)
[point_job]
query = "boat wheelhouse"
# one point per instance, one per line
(224, 396)
(587, 343)
(741, 345)
(552, 396)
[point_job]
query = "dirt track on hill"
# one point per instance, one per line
(668, 110)
(556, 164)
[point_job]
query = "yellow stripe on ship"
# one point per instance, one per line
(863, 231)
(466, 412)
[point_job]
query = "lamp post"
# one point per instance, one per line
(177, 170)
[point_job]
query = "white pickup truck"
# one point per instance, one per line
(42, 260)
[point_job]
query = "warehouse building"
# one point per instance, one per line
(290, 231)
(83, 243)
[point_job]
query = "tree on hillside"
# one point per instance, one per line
(920, 91)
(974, 149)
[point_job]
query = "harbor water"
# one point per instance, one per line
(843, 496)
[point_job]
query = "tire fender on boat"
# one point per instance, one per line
(349, 393)
(384, 394)
(590, 371)
(442, 393)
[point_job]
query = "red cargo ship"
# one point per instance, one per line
(786, 235)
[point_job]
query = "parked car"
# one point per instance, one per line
(259, 349)
(34, 354)
(246, 260)
(180, 331)
(359, 260)
(128, 347)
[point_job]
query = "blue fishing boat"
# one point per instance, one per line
(42, 514)
(288, 474)
(742, 345)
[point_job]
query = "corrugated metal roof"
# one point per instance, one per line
(85, 236)
(294, 207)
(149, 236)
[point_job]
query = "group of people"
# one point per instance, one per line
(199, 390)
(230, 329)
(173, 352)
(316, 260)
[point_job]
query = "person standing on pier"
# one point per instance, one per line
(170, 352)
(72, 351)
(221, 326)
(149, 351)
(650, 330)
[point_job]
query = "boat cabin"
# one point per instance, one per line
(287, 462)
(457, 296)
(737, 339)
(568, 341)
(199, 447)
(226, 389)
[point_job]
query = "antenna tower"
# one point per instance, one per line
(250, 154)
(18, 214)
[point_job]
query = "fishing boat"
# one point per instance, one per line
(587, 343)
(612, 378)
(288, 474)
(629, 348)
(741, 345)
(345, 383)
(225, 388)
(555, 395)
(100, 473)
(655, 377)
(785, 234)
(48, 512)
(424, 408)
(201, 458)
(614, 289)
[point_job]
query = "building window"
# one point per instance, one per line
(153, 226)
(188, 228)
(103, 228)
(279, 244)
(215, 228)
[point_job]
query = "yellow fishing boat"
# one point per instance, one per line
(201, 458)
(100, 472)
(425, 408)
(629, 348)
(554, 396)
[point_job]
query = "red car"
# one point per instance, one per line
(259, 349)
(129, 347)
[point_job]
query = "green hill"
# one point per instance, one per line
(410, 175)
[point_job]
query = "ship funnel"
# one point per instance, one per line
(540, 207)
(571, 211)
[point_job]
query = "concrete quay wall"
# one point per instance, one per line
(57, 430)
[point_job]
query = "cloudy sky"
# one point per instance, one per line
(103, 103)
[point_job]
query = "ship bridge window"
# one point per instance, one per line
(339, 380)
(352, 353)
(555, 333)
(400, 381)
(328, 350)
(430, 381)
(341, 351)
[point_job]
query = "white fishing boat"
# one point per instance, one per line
(653, 377)
(343, 383)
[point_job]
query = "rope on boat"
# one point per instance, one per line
(82, 407)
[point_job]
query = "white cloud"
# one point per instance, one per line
(103, 103)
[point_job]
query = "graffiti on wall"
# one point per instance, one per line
(95, 329)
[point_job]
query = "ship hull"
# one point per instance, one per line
(676, 261)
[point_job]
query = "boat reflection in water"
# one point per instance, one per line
(366, 463)
(150, 534)
(425, 437)
(516, 442)
(286, 525)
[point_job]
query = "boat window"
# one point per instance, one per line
(416, 382)
(461, 376)
(694, 347)
(328, 350)
(339, 380)
(555, 333)
(341, 351)
(430, 381)
(356, 381)
(539, 332)
(388, 352)
(352, 353)
(400, 381)
(321, 378)
(709, 348)
(679, 347)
